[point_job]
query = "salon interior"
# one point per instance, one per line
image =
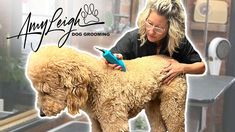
(210, 106)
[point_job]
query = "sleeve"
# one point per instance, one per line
(187, 53)
(123, 46)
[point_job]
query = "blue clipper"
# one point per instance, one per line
(112, 59)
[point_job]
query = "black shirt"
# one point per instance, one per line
(129, 47)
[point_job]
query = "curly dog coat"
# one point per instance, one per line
(65, 77)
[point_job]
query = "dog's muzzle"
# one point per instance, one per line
(42, 114)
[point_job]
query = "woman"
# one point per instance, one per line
(161, 30)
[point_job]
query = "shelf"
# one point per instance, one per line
(211, 27)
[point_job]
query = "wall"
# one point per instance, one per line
(8, 18)
(229, 105)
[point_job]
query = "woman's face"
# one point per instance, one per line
(156, 27)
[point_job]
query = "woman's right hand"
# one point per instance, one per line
(114, 66)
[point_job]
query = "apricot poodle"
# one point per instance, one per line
(65, 77)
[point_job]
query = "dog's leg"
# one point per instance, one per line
(117, 126)
(114, 119)
(152, 110)
(173, 105)
(95, 126)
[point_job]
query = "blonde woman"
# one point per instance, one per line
(161, 30)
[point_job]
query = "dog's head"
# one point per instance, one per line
(58, 81)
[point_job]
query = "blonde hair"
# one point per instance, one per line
(174, 12)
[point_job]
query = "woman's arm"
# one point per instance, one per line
(123, 46)
(195, 68)
(121, 50)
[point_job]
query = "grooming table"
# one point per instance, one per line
(203, 92)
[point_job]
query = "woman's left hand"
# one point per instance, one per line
(173, 70)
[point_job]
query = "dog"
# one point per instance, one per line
(65, 77)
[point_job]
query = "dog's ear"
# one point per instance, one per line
(77, 94)
(76, 98)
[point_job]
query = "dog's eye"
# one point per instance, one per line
(44, 88)
(41, 93)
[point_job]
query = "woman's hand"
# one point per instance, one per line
(114, 66)
(173, 70)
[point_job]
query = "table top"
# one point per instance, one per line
(206, 89)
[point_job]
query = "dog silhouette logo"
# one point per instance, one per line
(90, 14)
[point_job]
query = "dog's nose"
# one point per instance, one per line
(41, 113)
